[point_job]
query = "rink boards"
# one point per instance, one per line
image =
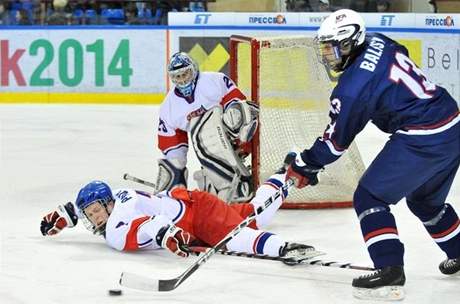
(127, 65)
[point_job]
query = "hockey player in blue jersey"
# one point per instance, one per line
(380, 83)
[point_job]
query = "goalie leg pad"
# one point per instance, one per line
(170, 174)
(221, 165)
(204, 182)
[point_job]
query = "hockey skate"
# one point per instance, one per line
(294, 253)
(384, 284)
(450, 266)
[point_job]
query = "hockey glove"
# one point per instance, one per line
(55, 221)
(303, 173)
(175, 240)
(241, 119)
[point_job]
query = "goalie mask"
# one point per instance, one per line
(183, 72)
(339, 38)
(93, 206)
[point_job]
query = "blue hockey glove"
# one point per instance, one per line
(303, 173)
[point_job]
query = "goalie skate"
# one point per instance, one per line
(294, 253)
(385, 284)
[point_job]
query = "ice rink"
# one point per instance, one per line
(48, 152)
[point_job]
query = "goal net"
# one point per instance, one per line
(284, 76)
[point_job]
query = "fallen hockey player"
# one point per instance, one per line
(176, 220)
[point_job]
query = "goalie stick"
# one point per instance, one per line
(140, 282)
(126, 176)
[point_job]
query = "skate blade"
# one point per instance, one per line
(386, 293)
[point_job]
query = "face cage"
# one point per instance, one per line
(329, 54)
(185, 86)
(87, 222)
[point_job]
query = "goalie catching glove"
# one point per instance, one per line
(241, 119)
(302, 172)
(55, 221)
(175, 240)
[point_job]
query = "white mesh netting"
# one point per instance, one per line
(294, 91)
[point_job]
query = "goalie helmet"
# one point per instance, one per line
(183, 72)
(339, 38)
(94, 192)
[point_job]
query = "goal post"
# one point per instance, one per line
(292, 88)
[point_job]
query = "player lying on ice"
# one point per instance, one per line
(208, 108)
(175, 220)
(381, 84)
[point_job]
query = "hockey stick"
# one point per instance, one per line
(143, 283)
(291, 261)
(126, 176)
(265, 257)
(294, 261)
(139, 282)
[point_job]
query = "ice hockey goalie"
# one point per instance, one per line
(208, 108)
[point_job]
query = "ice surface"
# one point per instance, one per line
(48, 152)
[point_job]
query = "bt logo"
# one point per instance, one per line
(387, 20)
(202, 18)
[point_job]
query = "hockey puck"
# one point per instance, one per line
(115, 292)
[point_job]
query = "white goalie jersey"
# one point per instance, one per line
(221, 124)
(212, 89)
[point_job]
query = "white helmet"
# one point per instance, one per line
(340, 34)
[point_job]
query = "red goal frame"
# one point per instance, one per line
(255, 46)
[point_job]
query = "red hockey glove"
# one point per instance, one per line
(175, 240)
(303, 173)
(55, 221)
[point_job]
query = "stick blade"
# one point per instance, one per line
(139, 282)
(167, 285)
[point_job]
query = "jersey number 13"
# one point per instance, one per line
(412, 77)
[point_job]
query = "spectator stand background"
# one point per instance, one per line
(155, 12)
(93, 12)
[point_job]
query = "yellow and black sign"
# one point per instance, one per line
(211, 53)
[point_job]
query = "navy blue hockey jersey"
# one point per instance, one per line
(384, 86)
